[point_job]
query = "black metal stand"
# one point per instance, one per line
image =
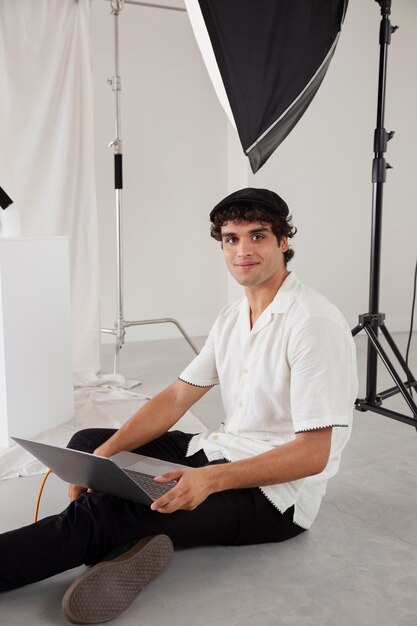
(374, 320)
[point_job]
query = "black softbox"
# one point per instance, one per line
(266, 59)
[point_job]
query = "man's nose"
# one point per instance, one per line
(245, 247)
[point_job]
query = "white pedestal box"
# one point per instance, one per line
(36, 380)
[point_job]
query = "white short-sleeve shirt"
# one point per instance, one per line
(294, 371)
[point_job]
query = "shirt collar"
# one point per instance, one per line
(286, 294)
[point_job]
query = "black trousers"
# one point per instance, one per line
(97, 523)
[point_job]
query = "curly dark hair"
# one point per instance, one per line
(281, 226)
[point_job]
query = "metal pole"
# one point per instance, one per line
(379, 168)
(150, 5)
(121, 324)
(374, 321)
(155, 6)
(116, 144)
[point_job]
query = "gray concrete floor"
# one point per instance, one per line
(356, 566)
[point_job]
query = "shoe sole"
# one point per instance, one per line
(109, 587)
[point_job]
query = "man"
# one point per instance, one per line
(285, 360)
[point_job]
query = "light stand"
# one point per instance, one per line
(121, 324)
(374, 320)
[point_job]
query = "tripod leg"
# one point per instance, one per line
(394, 375)
(116, 358)
(372, 370)
(397, 353)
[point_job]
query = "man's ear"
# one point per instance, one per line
(283, 244)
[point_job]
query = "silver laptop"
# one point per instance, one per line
(126, 474)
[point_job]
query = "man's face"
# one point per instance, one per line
(252, 253)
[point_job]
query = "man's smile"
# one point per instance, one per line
(246, 265)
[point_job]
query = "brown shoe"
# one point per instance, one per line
(108, 588)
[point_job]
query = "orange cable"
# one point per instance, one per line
(38, 501)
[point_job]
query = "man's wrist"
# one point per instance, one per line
(106, 449)
(216, 477)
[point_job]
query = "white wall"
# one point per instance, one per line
(181, 157)
(174, 144)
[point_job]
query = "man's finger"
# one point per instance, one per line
(74, 491)
(167, 507)
(165, 500)
(160, 503)
(169, 476)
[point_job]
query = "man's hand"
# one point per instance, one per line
(192, 488)
(74, 491)
(303, 456)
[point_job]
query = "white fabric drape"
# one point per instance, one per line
(47, 154)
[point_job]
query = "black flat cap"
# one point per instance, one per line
(261, 197)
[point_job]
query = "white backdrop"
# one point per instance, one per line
(47, 149)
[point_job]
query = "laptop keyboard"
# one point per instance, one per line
(153, 489)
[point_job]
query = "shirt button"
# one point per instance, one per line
(215, 437)
(245, 370)
(241, 403)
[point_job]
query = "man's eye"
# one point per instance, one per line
(231, 240)
(257, 237)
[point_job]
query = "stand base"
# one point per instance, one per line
(370, 322)
(363, 405)
(119, 331)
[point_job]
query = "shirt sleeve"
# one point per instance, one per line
(202, 371)
(323, 375)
